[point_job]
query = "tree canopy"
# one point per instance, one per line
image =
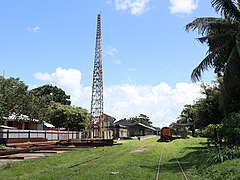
(69, 117)
(222, 35)
(14, 97)
(142, 118)
(51, 93)
(47, 102)
(205, 110)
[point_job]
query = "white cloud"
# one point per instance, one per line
(183, 6)
(111, 51)
(136, 7)
(132, 69)
(67, 79)
(160, 102)
(34, 29)
(43, 76)
(117, 62)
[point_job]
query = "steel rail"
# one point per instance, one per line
(88, 160)
(98, 157)
(159, 164)
(110, 154)
(184, 174)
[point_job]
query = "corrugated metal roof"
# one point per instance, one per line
(48, 124)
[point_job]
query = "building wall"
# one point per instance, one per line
(25, 125)
(108, 134)
(123, 133)
(120, 132)
(138, 130)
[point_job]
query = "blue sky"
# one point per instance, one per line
(147, 55)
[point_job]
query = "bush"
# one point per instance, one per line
(231, 129)
(214, 133)
(219, 155)
(198, 133)
(229, 170)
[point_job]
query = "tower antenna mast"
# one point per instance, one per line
(97, 115)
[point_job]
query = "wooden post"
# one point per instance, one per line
(7, 134)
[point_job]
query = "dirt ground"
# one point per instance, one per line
(26, 156)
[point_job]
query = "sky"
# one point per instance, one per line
(148, 56)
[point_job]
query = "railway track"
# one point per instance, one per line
(79, 163)
(112, 154)
(166, 147)
(177, 161)
(109, 155)
(88, 160)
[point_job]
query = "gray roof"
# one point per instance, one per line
(143, 125)
(125, 122)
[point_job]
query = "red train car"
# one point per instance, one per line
(166, 134)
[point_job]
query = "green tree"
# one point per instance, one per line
(14, 97)
(214, 133)
(208, 109)
(42, 97)
(222, 35)
(142, 118)
(71, 118)
(205, 110)
(51, 93)
(187, 114)
(231, 129)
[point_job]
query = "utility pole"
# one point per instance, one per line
(97, 115)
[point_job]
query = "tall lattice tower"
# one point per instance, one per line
(97, 115)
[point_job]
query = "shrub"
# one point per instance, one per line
(219, 155)
(231, 129)
(214, 133)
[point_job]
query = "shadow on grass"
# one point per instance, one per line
(197, 148)
(171, 167)
(197, 158)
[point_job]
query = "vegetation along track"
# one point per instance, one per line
(177, 161)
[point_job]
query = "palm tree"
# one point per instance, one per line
(222, 35)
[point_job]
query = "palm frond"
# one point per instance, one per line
(204, 25)
(215, 40)
(207, 62)
(238, 42)
(231, 79)
(232, 71)
(227, 8)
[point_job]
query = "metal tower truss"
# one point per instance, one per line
(97, 115)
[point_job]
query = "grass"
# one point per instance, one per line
(5, 147)
(129, 161)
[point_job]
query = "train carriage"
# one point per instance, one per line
(166, 134)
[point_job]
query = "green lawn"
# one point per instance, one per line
(131, 160)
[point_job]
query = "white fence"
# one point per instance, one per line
(50, 135)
